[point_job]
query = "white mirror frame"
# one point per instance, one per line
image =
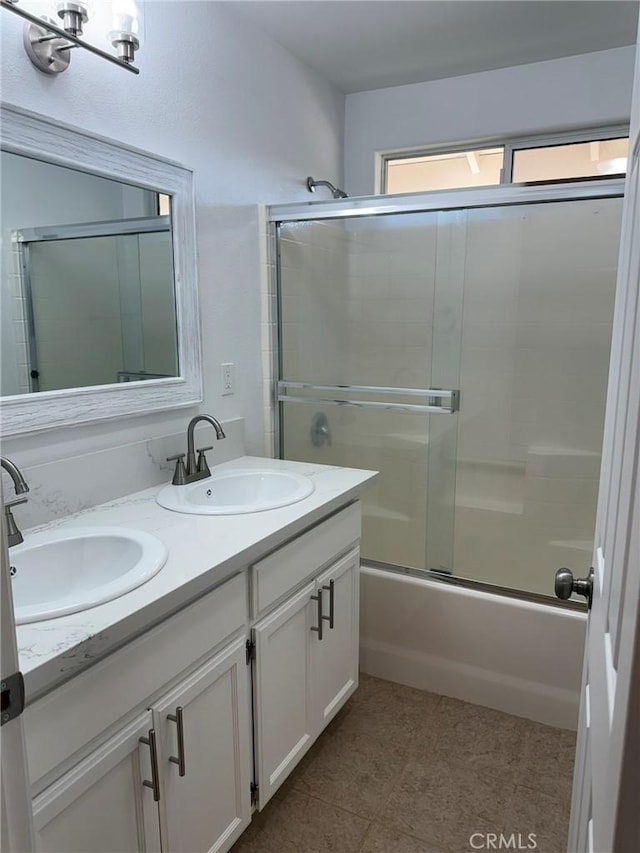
(32, 135)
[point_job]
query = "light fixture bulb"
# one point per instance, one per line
(125, 36)
(126, 18)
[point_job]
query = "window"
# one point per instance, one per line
(588, 155)
(601, 158)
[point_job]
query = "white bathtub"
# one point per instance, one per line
(519, 657)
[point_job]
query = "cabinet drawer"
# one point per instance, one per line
(292, 564)
(70, 717)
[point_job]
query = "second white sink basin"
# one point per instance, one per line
(57, 572)
(236, 492)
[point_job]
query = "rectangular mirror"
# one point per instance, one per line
(98, 285)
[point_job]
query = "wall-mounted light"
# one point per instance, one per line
(125, 36)
(74, 15)
(49, 45)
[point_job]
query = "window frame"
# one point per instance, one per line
(510, 145)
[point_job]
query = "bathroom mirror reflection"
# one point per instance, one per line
(87, 286)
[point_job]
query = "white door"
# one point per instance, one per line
(205, 755)
(284, 719)
(605, 813)
(17, 826)
(334, 658)
(102, 805)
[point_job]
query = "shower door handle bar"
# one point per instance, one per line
(435, 404)
(371, 389)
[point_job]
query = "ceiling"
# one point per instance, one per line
(372, 44)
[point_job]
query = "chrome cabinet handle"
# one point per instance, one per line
(331, 588)
(180, 760)
(318, 629)
(155, 773)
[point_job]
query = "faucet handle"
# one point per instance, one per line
(15, 502)
(180, 474)
(203, 465)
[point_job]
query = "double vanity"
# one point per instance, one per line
(161, 718)
(184, 646)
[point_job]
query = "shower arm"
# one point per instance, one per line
(335, 191)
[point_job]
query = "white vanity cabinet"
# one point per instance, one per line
(157, 747)
(128, 794)
(203, 730)
(284, 717)
(334, 659)
(100, 804)
(113, 799)
(306, 650)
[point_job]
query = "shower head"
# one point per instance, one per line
(336, 192)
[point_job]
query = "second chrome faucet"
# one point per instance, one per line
(194, 469)
(14, 536)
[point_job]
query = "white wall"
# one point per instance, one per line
(590, 89)
(250, 120)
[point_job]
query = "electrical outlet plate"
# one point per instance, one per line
(228, 379)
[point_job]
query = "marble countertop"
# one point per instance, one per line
(203, 552)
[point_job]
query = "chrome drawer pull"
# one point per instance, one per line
(155, 774)
(177, 718)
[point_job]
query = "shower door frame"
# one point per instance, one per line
(506, 195)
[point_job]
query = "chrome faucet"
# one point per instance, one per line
(14, 536)
(195, 469)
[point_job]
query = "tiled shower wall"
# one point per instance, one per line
(358, 308)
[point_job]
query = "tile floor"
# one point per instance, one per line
(402, 771)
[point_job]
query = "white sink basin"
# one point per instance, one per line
(236, 492)
(58, 572)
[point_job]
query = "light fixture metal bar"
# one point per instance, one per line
(40, 22)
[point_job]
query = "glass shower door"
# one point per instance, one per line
(539, 291)
(369, 353)
(504, 491)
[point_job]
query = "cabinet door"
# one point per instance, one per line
(208, 807)
(101, 804)
(334, 658)
(283, 712)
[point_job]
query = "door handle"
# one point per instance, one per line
(566, 584)
(331, 588)
(318, 629)
(177, 718)
(155, 773)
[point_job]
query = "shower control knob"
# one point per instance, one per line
(566, 584)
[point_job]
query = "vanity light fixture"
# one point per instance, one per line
(48, 45)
